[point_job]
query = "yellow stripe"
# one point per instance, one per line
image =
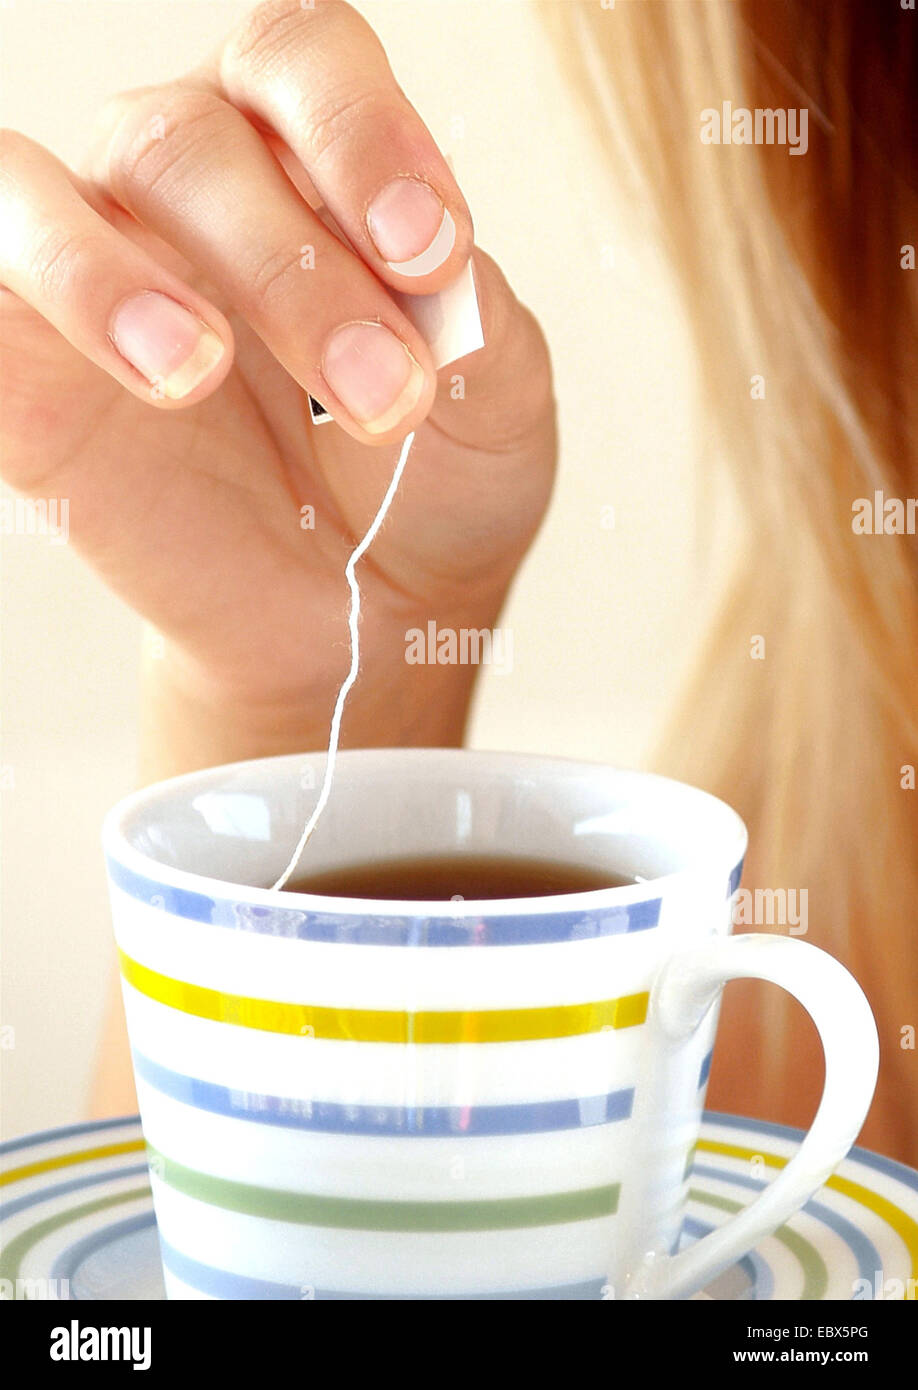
(903, 1224)
(46, 1165)
(381, 1025)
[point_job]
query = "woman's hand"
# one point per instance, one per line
(160, 325)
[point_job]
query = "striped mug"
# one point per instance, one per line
(354, 1099)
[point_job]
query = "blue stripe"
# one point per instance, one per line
(879, 1162)
(220, 1283)
(431, 1122)
(356, 929)
(888, 1166)
(705, 1069)
(758, 1273)
(47, 1136)
(225, 1285)
(61, 1189)
(70, 1259)
(735, 877)
(864, 1251)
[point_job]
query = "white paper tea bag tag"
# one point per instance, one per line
(449, 321)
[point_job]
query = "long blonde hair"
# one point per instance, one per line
(804, 311)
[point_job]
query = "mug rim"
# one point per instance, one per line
(117, 845)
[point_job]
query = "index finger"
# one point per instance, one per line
(318, 76)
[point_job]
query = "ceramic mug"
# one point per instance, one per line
(355, 1099)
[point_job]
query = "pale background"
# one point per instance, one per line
(603, 620)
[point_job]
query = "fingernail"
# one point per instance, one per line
(413, 232)
(373, 374)
(166, 343)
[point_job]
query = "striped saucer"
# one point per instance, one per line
(76, 1220)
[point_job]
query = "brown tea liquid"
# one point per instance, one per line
(454, 876)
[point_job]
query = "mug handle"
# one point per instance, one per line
(682, 994)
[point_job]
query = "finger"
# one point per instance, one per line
(109, 299)
(190, 167)
(508, 382)
(319, 77)
(486, 455)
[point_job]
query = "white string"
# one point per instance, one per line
(352, 621)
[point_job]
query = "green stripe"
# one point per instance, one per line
(352, 1213)
(815, 1274)
(12, 1254)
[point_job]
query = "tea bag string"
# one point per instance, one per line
(353, 619)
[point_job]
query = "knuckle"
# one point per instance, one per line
(342, 66)
(333, 118)
(267, 29)
(270, 281)
(278, 33)
(60, 257)
(158, 135)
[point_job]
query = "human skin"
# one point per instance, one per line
(189, 506)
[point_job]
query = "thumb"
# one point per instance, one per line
(499, 398)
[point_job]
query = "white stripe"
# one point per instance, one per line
(388, 1262)
(387, 1168)
(71, 1173)
(382, 977)
(382, 1073)
(39, 1260)
(46, 1149)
